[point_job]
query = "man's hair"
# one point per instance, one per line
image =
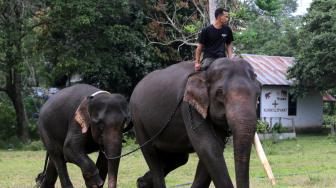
(219, 11)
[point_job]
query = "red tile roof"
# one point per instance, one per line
(328, 98)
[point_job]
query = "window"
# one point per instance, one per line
(258, 107)
(292, 105)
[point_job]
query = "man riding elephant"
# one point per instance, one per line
(181, 112)
(215, 41)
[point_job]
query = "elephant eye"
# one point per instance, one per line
(220, 95)
(100, 125)
(220, 92)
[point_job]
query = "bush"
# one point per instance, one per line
(262, 126)
(128, 141)
(11, 143)
(329, 120)
(14, 143)
(34, 146)
(278, 128)
(7, 118)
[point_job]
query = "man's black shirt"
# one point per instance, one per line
(214, 41)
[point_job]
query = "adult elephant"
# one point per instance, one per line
(79, 120)
(181, 115)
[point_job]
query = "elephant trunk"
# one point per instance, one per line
(243, 126)
(242, 143)
(113, 144)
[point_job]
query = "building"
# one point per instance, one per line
(276, 104)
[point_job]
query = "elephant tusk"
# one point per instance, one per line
(263, 159)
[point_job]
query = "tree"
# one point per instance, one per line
(100, 40)
(316, 60)
(14, 27)
(176, 24)
(269, 29)
(256, 25)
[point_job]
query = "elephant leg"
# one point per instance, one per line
(101, 164)
(202, 177)
(50, 177)
(207, 145)
(155, 176)
(145, 181)
(169, 161)
(62, 170)
(152, 158)
(74, 153)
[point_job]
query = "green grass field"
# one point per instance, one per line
(308, 161)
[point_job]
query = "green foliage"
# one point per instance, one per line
(34, 146)
(128, 141)
(329, 120)
(102, 41)
(316, 60)
(266, 37)
(7, 118)
(262, 127)
(272, 31)
(278, 128)
(271, 6)
(11, 143)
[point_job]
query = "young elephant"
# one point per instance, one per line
(79, 120)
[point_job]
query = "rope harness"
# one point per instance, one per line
(148, 141)
(151, 139)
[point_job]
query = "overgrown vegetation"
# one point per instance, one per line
(329, 120)
(316, 57)
(264, 127)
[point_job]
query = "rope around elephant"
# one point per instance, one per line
(151, 139)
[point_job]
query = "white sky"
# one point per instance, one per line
(302, 7)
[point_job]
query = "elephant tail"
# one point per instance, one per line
(40, 177)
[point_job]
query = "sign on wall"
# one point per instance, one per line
(274, 102)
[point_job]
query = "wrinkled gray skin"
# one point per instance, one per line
(65, 142)
(231, 89)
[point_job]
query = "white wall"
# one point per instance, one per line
(274, 106)
(310, 111)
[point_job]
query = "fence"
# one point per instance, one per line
(277, 135)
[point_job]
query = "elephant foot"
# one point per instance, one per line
(39, 179)
(42, 181)
(93, 181)
(143, 182)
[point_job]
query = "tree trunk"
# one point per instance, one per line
(212, 7)
(14, 91)
(332, 108)
(15, 19)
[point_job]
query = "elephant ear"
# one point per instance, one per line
(196, 93)
(82, 116)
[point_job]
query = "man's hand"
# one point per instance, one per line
(229, 50)
(198, 56)
(197, 66)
